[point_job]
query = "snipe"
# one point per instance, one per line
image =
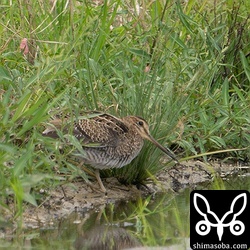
(108, 141)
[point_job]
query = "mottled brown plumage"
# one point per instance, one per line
(108, 141)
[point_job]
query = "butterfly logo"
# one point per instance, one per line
(203, 227)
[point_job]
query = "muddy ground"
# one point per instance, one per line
(78, 196)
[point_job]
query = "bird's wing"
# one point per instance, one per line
(99, 130)
(94, 130)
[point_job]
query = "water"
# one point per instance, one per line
(160, 220)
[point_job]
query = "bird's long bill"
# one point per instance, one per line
(165, 150)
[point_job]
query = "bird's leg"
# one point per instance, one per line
(89, 172)
(97, 174)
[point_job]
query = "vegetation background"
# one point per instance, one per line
(182, 65)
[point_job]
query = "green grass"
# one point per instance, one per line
(183, 66)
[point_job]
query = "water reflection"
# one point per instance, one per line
(161, 220)
(106, 238)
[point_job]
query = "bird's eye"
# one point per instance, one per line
(140, 123)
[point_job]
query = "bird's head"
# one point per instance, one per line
(142, 128)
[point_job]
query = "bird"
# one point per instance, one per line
(107, 141)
